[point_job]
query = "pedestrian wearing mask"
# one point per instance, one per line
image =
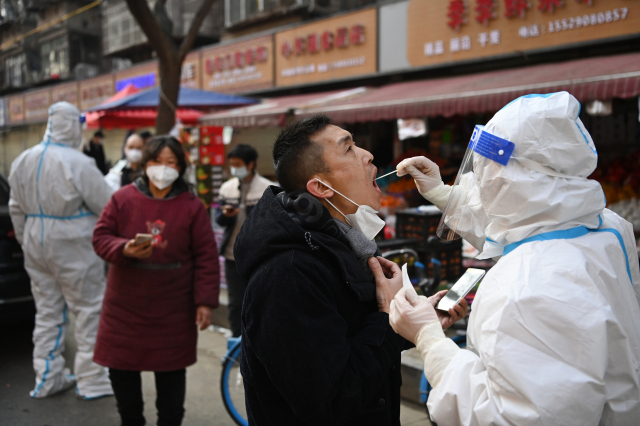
(57, 194)
(129, 168)
(237, 197)
(158, 292)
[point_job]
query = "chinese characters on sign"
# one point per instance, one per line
(334, 48)
(440, 32)
(485, 11)
(516, 8)
(459, 44)
(548, 5)
(240, 66)
(457, 14)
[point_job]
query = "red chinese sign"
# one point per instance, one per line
(516, 8)
(548, 5)
(457, 13)
(327, 40)
(211, 146)
(485, 11)
(237, 59)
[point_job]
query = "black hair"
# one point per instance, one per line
(295, 156)
(146, 134)
(157, 144)
(98, 134)
(246, 153)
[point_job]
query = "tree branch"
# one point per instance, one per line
(158, 41)
(193, 30)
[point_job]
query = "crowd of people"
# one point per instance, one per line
(554, 335)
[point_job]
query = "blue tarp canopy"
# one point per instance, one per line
(188, 98)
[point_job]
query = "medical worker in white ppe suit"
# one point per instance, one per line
(57, 194)
(554, 333)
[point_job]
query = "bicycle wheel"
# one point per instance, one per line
(232, 387)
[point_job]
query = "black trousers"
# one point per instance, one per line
(236, 286)
(170, 389)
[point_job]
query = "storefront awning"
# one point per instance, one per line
(587, 79)
(274, 112)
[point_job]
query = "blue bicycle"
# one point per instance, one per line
(231, 383)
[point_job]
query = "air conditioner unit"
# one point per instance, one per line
(84, 71)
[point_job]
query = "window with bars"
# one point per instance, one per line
(120, 29)
(15, 70)
(237, 11)
(54, 58)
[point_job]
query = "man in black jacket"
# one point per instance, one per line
(94, 149)
(317, 345)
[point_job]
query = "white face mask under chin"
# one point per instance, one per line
(162, 176)
(365, 219)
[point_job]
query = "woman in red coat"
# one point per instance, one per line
(159, 292)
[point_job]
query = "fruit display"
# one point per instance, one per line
(619, 177)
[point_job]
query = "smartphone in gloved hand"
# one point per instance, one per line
(461, 288)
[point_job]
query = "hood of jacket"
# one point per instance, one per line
(544, 187)
(63, 126)
(279, 223)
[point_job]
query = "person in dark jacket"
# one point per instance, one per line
(94, 149)
(238, 195)
(316, 341)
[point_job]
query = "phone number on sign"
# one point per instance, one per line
(586, 20)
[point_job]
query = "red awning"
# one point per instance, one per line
(130, 118)
(274, 112)
(587, 79)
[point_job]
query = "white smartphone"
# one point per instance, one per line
(143, 238)
(461, 288)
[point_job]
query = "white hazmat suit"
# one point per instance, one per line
(57, 193)
(554, 333)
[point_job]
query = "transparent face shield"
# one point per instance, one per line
(458, 216)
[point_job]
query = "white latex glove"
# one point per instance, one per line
(409, 313)
(425, 173)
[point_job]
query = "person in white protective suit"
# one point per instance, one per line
(57, 194)
(554, 333)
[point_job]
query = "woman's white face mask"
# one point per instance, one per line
(133, 155)
(162, 176)
(365, 219)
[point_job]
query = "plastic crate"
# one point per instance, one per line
(419, 223)
(451, 259)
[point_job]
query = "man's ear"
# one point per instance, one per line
(318, 189)
(251, 166)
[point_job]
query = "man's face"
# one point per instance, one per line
(352, 171)
(97, 140)
(237, 163)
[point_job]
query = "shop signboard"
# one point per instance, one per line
(239, 67)
(191, 71)
(65, 93)
(16, 109)
(141, 76)
(336, 48)
(36, 106)
(95, 91)
(446, 31)
(209, 172)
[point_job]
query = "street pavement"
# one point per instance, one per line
(203, 403)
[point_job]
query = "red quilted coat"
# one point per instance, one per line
(149, 310)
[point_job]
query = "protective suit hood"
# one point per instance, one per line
(64, 125)
(544, 187)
